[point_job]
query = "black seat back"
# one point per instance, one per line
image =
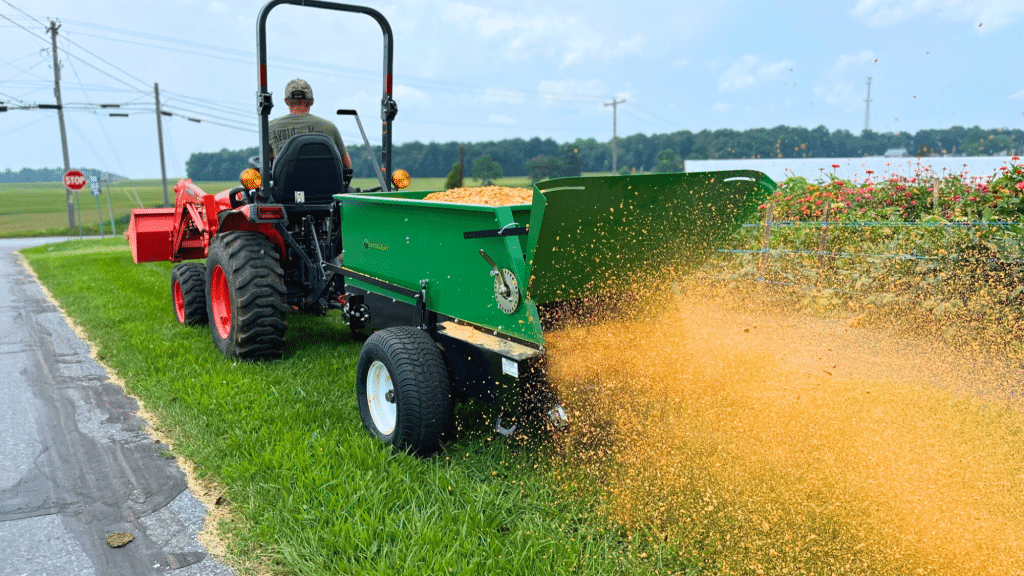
(311, 164)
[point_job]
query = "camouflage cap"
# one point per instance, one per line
(298, 89)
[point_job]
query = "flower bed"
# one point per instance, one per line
(944, 248)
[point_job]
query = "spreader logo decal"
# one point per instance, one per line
(375, 246)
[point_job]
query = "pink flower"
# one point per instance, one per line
(1015, 158)
(1003, 168)
(1020, 186)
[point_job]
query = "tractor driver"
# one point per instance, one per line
(299, 98)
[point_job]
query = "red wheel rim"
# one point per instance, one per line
(220, 302)
(179, 302)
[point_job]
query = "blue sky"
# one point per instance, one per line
(476, 71)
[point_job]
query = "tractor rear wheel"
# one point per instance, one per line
(246, 298)
(403, 390)
(188, 293)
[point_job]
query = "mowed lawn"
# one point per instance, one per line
(40, 209)
(312, 492)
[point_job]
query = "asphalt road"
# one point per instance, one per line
(75, 462)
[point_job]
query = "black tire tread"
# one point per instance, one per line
(191, 276)
(420, 377)
(256, 285)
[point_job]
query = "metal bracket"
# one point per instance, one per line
(264, 103)
(388, 109)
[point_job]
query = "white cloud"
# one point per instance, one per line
(680, 63)
(721, 107)
(1018, 95)
(571, 90)
(410, 98)
(459, 12)
(505, 96)
(847, 60)
(491, 25)
(501, 120)
(563, 37)
(990, 14)
(749, 71)
(835, 88)
(634, 45)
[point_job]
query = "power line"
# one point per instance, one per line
(5, 17)
(25, 13)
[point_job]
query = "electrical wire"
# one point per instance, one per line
(5, 17)
(101, 126)
(23, 12)
(22, 127)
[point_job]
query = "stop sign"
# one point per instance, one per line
(74, 180)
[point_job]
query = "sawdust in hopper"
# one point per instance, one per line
(484, 195)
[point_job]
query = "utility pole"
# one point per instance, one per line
(60, 118)
(867, 108)
(160, 137)
(615, 120)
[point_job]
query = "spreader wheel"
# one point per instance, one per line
(403, 390)
(246, 298)
(188, 293)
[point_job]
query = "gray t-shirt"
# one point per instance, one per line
(283, 128)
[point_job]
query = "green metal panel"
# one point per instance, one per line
(603, 234)
(400, 239)
(587, 235)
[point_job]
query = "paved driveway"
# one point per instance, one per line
(75, 463)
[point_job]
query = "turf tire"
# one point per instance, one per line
(246, 296)
(188, 293)
(421, 391)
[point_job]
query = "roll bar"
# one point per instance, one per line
(388, 106)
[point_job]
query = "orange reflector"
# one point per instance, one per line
(269, 212)
(251, 179)
(401, 179)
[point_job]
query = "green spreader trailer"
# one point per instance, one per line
(458, 297)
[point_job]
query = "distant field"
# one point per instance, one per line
(39, 209)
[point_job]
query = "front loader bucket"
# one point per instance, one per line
(150, 234)
(604, 235)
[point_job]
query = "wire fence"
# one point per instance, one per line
(972, 268)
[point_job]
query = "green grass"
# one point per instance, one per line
(314, 493)
(40, 209)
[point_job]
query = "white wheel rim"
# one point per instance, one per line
(380, 395)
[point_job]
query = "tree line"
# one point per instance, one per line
(9, 176)
(541, 158)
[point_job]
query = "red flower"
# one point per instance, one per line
(870, 171)
(835, 165)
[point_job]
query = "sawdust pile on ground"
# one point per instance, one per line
(485, 195)
(774, 444)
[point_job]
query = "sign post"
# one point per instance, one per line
(94, 187)
(110, 210)
(74, 180)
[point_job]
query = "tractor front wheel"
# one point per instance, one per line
(403, 390)
(246, 298)
(188, 293)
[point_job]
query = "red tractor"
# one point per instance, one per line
(268, 245)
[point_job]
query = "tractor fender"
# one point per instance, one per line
(238, 219)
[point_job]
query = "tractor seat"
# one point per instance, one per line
(311, 164)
